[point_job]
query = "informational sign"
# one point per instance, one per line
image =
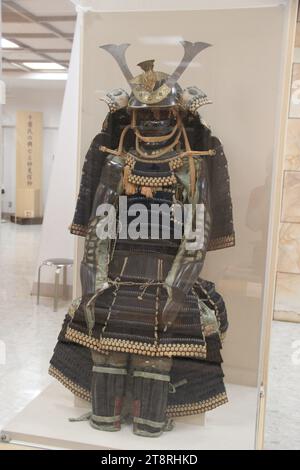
(29, 137)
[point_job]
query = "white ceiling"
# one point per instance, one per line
(159, 5)
(48, 7)
(42, 28)
(19, 82)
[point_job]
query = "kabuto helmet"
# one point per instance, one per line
(154, 88)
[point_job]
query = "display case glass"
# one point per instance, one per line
(241, 73)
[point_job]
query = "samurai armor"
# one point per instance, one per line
(148, 329)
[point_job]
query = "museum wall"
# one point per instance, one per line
(287, 299)
(49, 102)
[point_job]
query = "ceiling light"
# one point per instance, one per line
(6, 44)
(43, 66)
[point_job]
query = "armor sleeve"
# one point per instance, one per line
(222, 228)
(94, 266)
(90, 176)
(93, 166)
(190, 257)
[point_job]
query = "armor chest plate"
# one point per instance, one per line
(155, 172)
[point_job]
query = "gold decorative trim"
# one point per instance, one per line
(221, 242)
(76, 389)
(77, 229)
(198, 407)
(130, 160)
(152, 181)
(134, 347)
(145, 95)
(176, 163)
(174, 160)
(185, 409)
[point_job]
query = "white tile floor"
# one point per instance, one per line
(283, 405)
(28, 333)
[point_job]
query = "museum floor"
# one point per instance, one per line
(28, 333)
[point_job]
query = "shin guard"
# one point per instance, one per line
(108, 389)
(151, 378)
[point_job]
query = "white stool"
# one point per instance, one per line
(61, 264)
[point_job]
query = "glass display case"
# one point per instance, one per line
(242, 78)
